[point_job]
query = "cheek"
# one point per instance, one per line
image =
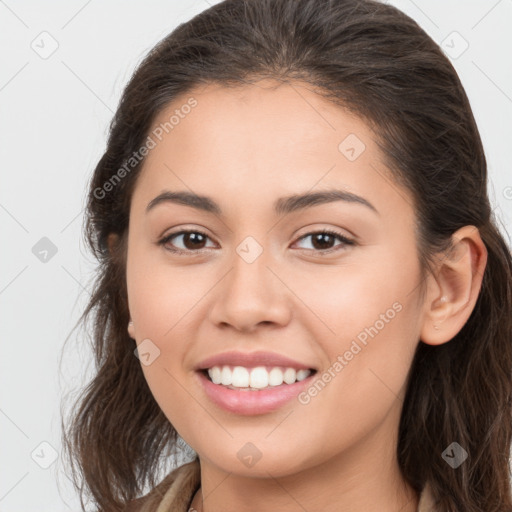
(346, 300)
(363, 385)
(368, 331)
(164, 302)
(160, 296)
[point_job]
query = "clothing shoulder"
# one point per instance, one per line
(174, 493)
(426, 503)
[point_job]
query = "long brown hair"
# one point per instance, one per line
(376, 61)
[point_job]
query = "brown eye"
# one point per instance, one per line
(191, 241)
(322, 241)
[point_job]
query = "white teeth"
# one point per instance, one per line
(240, 377)
(302, 374)
(255, 378)
(259, 378)
(226, 376)
(289, 375)
(275, 377)
(215, 374)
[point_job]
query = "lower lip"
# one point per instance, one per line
(249, 402)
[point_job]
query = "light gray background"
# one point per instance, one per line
(54, 114)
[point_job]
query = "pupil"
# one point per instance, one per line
(196, 238)
(322, 239)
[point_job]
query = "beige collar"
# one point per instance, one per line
(426, 503)
(183, 483)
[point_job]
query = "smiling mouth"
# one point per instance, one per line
(257, 378)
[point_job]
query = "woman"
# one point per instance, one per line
(300, 274)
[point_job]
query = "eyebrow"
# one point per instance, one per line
(283, 205)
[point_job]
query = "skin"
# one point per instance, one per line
(245, 148)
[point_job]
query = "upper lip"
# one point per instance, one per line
(251, 359)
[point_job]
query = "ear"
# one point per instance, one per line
(112, 240)
(131, 330)
(454, 286)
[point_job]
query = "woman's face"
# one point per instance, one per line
(256, 282)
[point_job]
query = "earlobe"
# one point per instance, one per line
(454, 289)
(131, 330)
(442, 300)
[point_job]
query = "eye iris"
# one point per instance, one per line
(196, 238)
(322, 238)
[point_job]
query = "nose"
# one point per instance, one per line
(251, 295)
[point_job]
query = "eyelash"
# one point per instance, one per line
(345, 241)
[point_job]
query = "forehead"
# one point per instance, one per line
(267, 118)
(263, 139)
